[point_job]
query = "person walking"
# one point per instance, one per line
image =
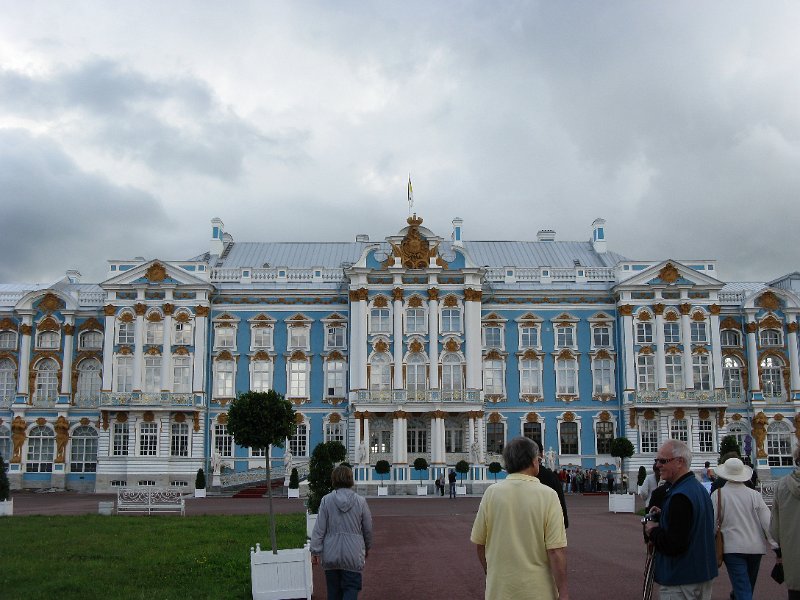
(744, 521)
(342, 536)
(785, 526)
(610, 478)
(650, 484)
(440, 484)
(451, 480)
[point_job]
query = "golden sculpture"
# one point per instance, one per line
(769, 301)
(18, 427)
(760, 433)
(62, 437)
(669, 274)
(50, 302)
(156, 273)
(626, 310)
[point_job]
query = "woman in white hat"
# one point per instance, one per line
(744, 522)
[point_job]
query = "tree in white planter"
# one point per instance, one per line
(420, 465)
(495, 468)
(382, 468)
(462, 468)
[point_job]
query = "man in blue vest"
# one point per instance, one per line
(682, 531)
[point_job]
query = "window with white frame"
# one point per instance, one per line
(90, 340)
(603, 376)
(493, 337)
(601, 336)
(732, 377)
(673, 366)
(452, 375)
(730, 337)
(89, 380)
(8, 379)
(648, 435)
(495, 437)
(335, 336)
(298, 337)
(223, 379)
(224, 337)
(451, 320)
(126, 333)
(8, 340)
(380, 440)
(645, 373)
(644, 333)
(604, 433)
(380, 321)
(416, 438)
(258, 453)
(679, 430)
(779, 445)
(183, 333)
(453, 436)
(566, 376)
(298, 443)
(705, 435)
(493, 377)
(179, 439)
(119, 439)
(565, 336)
(699, 332)
(568, 437)
(154, 333)
(48, 340)
(123, 374)
(416, 373)
(770, 337)
(380, 373)
(530, 377)
(772, 377)
(83, 453)
(672, 332)
(148, 439)
(298, 378)
(335, 432)
(529, 337)
(47, 380)
(5, 443)
(738, 431)
(335, 378)
(701, 369)
(152, 374)
(415, 320)
(260, 338)
(181, 374)
(41, 450)
(533, 431)
(261, 375)
(223, 441)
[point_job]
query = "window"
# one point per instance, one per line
(672, 333)
(334, 432)
(223, 379)
(120, 439)
(183, 333)
(83, 457)
(224, 337)
(673, 364)
(154, 333)
(89, 380)
(530, 377)
(8, 340)
(417, 438)
(701, 371)
(495, 437)
(380, 377)
(415, 320)
(648, 434)
(298, 443)
(335, 336)
(49, 340)
(148, 439)
(8, 380)
(90, 340)
(335, 378)
(565, 336)
(179, 439)
(5, 443)
(379, 321)
(729, 337)
(181, 374)
(47, 380)
(705, 431)
(770, 337)
(298, 378)
(492, 337)
(528, 337)
(533, 431)
(566, 376)
(258, 453)
(645, 373)
(644, 333)
(261, 375)
(380, 441)
(493, 377)
(126, 332)
(146, 483)
(568, 437)
(699, 332)
(41, 449)
(603, 376)
(261, 338)
(738, 431)
(416, 375)
(451, 320)
(452, 376)
(152, 374)
(779, 445)
(123, 374)
(732, 377)
(223, 441)
(453, 437)
(604, 431)
(679, 430)
(601, 336)
(298, 337)
(772, 377)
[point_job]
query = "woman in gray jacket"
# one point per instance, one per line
(342, 536)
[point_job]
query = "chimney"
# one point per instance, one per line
(217, 229)
(546, 235)
(73, 276)
(599, 235)
(458, 240)
(362, 237)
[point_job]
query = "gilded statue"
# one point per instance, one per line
(62, 437)
(760, 433)
(18, 426)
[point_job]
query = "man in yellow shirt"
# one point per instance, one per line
(519, 532)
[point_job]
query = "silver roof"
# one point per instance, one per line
(536, 254)
(297, 255)
(742, 286)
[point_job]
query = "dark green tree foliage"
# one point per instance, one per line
(258, 420)
(642, 475)
(382, 467)
(621, 447)
(420, 464)
(5, 490)
(729, 444)
(200, 480)
(495, 468)
(337, 451)
(320, 467)
(462, 468)
(294, 479)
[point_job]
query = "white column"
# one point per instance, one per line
(482, 437)
(138, 350)
(716, 347)
(630, 356)
(794, 367)
(433, 338)
(108, 348)
(166, 354)
(357, 436)
(365, 421)
(25, 354)
(200, 337)
(686, 340)
(439, 448)
(69, 338)
(661, 369)
(472, 338)
(471, 432)
(399, 444)
(397, 338)
(752, 356)
(358, 339)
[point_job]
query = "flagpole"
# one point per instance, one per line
(410, 195)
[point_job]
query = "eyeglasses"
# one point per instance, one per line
(663, 461)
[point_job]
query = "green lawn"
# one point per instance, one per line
(158, 557)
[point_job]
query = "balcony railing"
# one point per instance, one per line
(149, 399)
(682, 396)
(414, 396)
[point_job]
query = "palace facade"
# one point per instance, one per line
(417, 345)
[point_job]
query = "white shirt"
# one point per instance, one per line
(745, 519)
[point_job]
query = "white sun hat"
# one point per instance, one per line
(734, 469)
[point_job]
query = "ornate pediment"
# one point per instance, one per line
(414, 251)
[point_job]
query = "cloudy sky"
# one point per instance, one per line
(126, 126)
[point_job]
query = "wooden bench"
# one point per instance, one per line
(149, 500)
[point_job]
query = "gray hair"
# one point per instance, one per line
(679, 449)
(519, 454)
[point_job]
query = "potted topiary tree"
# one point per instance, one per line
(462, 468)
(621, 448)
(727, 445)
(200, 484)
(324, 457)
(6, 503)
(261, 420)
(420, 465)
(294, 484)
(494, 469)
(382, 468)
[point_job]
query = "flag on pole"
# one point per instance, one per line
(410, 194)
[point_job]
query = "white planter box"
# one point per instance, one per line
(105, 508)
(461, 490)
(200, 493)
(422, 490)
(625, 503)
(311, 520)
(7, 508)
(286, 574)
(383, 490)
(294, 493)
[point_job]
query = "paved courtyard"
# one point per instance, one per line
(422, 547)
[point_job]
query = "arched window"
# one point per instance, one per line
(41, 449)
(83, 458)
(779, 445)
(732, 377)
(89, 380)
(46, 380)
(568, 437)
(702, 372)
(645, 373)
(770, 337)
(673, 366)
(730, 337)
(90, 340)
(49, 340)
(380, 376)
(772, 377)
(8, 340)
(452, 376)
(8, 379)
(416, 376)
